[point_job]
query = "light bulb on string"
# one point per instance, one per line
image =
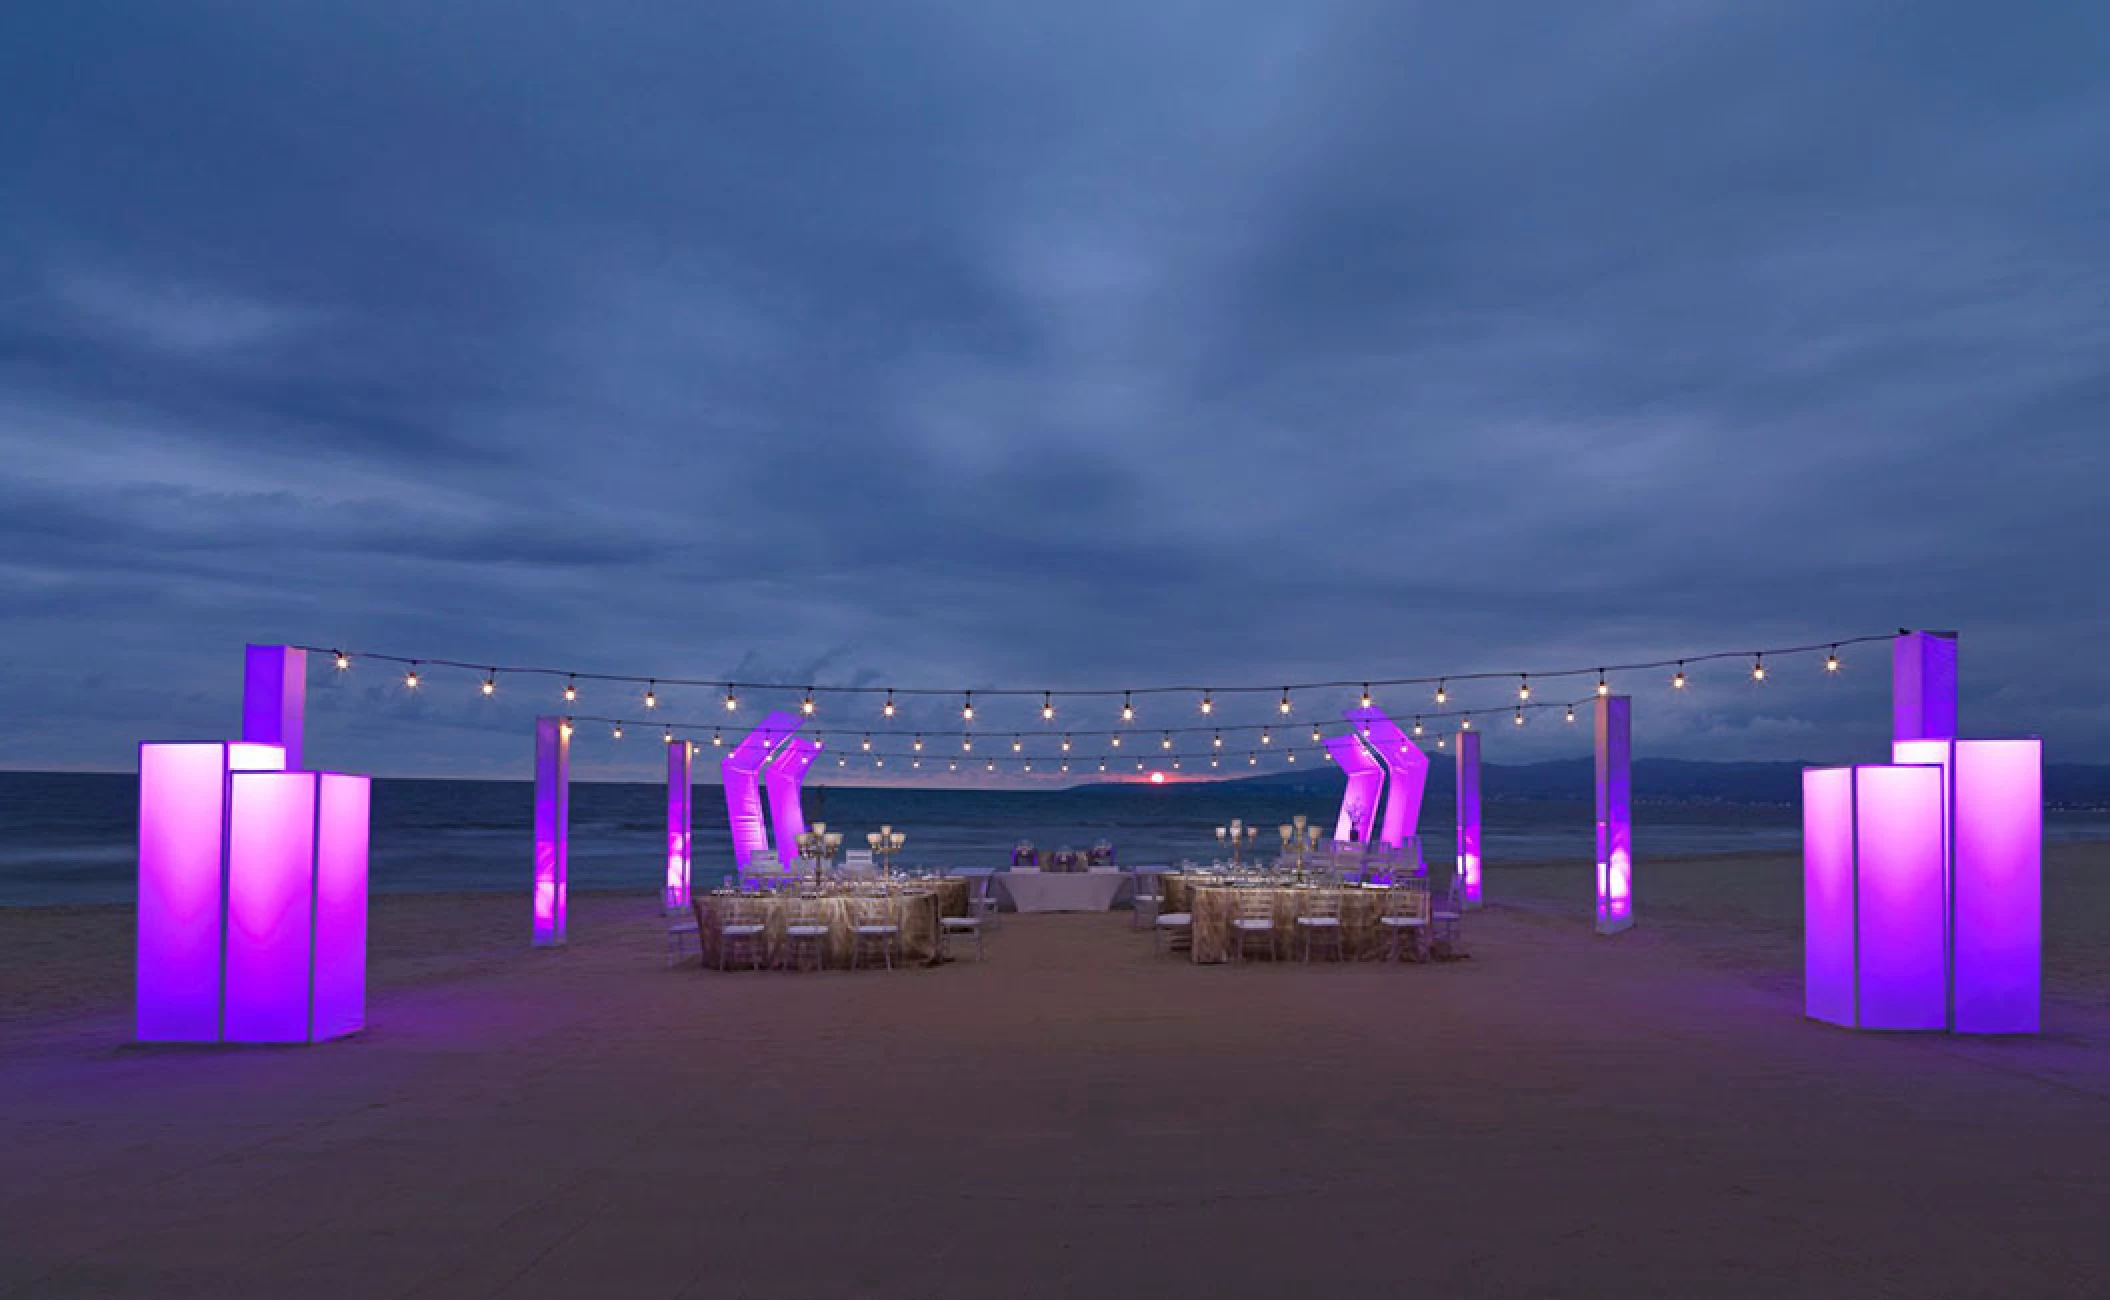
(1571, 713)
(1065, 769)
(1208, 704)
(1603, 687)
(918, 746)
(566, 728)
(668, 737)
(1117, 742)
(1218, 741)
(616, 733)
(1466, 723)
(410, 679)
(1128, 707)
(806, 705)
(1252, 760)
(1168, 741)
(967, 708)
(1520, 715)
(1047, 707)
(1758, 668)
(916, 763)
(1831, 660)
(1065, 744)
(1027, 766)
(1266, 737)
(887, 709)
(840, 761)
(1284, 706)
(1016, 744)
(1315, 737)
(1677, 681)
(967, 744)
(1523, 688)
(868, 744)
(992, 765)
(1175, 765)
(1102, 765)
(879, 761)
(344, 661)
(1417, 726)
(490, 686)
(951, 765)
(1442, 695)
(1443, 742)
(1212, 760)
(1366, 695)
(1293, 756)
(652, 695)
(717, 737)
(571, 690)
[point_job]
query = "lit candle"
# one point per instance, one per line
(820, 828)
(1220, 834)
(1285, 829)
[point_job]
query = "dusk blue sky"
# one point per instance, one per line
(1055, 345)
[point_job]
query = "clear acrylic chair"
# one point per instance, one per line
(683, 924)
(805, 927)
(1146, 901)
(740, 924)
(1321, 919)
(948, 926)
(1255, 919)
(1406, 918)
(875, 927)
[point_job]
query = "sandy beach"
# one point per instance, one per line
(1559, 1115)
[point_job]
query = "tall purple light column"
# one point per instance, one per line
(680, 789)
(552, 828)
(1468, 793)
(1366, 785)
(295, 943)
(741, 771)
(274, 698)
(1923, 686)
(1615, 814)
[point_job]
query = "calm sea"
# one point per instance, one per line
(70, 838)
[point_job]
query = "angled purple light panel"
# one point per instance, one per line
(1828, 894)
(1615, 814)
(741, 772)
(1407, 769)
(1366, 785)
(552, 829)
(1468, 795)
(270, 906)
(343, 828)
(785, 775)
(680, 790)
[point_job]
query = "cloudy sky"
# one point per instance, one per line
(1055, 345)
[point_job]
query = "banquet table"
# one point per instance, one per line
(1060, 891)
(915, 910)
(1214, 904)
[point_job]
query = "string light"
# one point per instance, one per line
(916, 763)
(967, 744)
(1016, 744)
(1117, 742)
(1293, 756)
(1047, 707)
(888, 708)
(840, 761)
(1029, 765)
(1128, 707)
(1520, 715)
(919, 742)
(1417, 726)
(652, 695)
(1677, 683)
(992, 765)
(1065, 744)
(868, 744)
(566, 728)
(1571, 713)
(732, 701)
(1443, 742)
(1065, 769)
(967, 708)
(1831, 660)
(1212, 761)
(1208, 704)
(880, 761)
(1523, 688)
(951, 766)
(717, 738)
(1466, 723)
(344, 661)
(410, 679)
(1442, 695)
(1218, 742)
(1266, 737)
(1102, 765)
(1758, 668)
(617, 733)
(1366, 695)
(1285, 701)
(1603, 687)
(490, 686)
(1168, 741)
(668, 738)
(571, 690)
(1315, 734)
(1252, 760)
(806, 705)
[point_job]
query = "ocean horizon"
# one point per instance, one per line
(72, 837)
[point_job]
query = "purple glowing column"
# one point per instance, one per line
(343, 827)
(786, 776)
(741, 771)
(1873, 906)
(1615, 814)
(1828, 895)
(1923, 686)
(274, 698)
(183, 795)
(1407, 772)
(295, 943)
(680, 786)
(1366, 782)
(1468, 865)
(552, 827)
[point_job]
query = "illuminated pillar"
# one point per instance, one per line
(1992, 820)
(1407, 775)
(741, 771)
(1468, 865)
(274, 698)
(1923, 686)
(295, 943)
(1366, 784)
(1615, 814)
(1873, 907)
(552, 827)
(680, 786)
(785, 778)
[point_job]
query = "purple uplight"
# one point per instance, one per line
(1615, 814)
(680, 792)
(552, 829)
(1468, 795)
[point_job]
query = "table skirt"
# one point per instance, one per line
(915, 912)
(1215, 906)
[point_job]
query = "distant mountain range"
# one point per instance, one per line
(2066, 785)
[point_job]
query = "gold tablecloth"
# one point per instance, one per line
(1215, 906)
(914, 910)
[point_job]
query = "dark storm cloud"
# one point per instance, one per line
(1079, 347)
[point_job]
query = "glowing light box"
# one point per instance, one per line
(552, 830)
(680, 789)
(1468, 797)
(1615, 814)
(1406, 772)
(1874, 896)
(1366, 783)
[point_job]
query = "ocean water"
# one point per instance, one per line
(71, 838)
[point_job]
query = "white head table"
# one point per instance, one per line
(1061, 891)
